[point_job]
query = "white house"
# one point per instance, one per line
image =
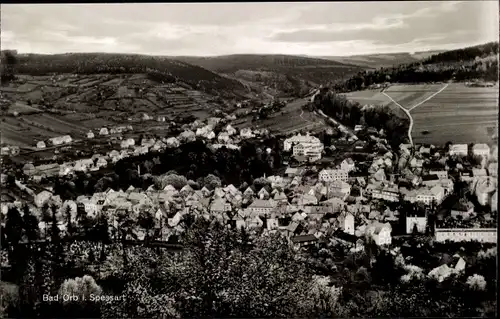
(388, 193)
(262, 207)
(339, 186)
(346, 222)
(481, 150)
(380, 233)
(172, 142)
(427, 196)
(493, 169)
(485, 187)
(458, 149)
(330, 175)
(40, 144)
(104, 131)
(127, 143)
(348, 165)
(58, 140)
(90, 134)
(412, 221)
(246, 133)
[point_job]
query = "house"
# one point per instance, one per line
(466, 176)
(293, 171)
(348, 165)
(339, 186)
(493, 169)
(441, 174)
(481, 150)
(42, 198)
(430, 180)
(387, 192)
(304, 240)
(346, 222)
(172, 142)
(187, 136)
(59, 140)
(358, 128)
(330, 175)
(127, 143)
(308, 146)
(413, 221)
(272, 223)
(428, 196)
(464, 211)
(262, 207)
(380, 233)
(479, 172)
(306, 199)
(458, 149)
(103, 131)
(280, 197)
(246, 133)
(223, 137)
(249, 192)
(101, 162)
(263, 193)
(380, 175)
(40, 144)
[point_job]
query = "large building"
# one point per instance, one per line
(331, 175)
(388, 193)
(458, 149)
(484, 235)
(312, 151)
(481, 150)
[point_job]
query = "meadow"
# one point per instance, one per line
(459, 113)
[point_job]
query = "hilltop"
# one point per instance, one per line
(468, 64)
(373, 61)
(159, 69)
(288, 74)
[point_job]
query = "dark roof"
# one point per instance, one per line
(304, 238)
(431, 177)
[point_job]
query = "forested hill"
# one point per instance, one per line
(161, 69)
(473, 63)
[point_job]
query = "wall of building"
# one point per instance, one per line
(485, 235)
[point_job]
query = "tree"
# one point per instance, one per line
(80, 290)
(13, 227)
(30, 223)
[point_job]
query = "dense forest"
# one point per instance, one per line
(474, 63)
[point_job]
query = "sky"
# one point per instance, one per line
(208, 29)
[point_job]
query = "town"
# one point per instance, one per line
(249, 160)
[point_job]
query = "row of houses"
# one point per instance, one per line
(54, 141)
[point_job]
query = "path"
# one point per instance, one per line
(430, 97)
(407, 111)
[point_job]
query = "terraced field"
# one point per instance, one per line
(91, 101)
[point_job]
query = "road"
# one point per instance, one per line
(407, 111)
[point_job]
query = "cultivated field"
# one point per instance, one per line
(459, 114)
(377, 98)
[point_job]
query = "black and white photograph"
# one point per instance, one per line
(249, 159)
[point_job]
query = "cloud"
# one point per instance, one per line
(227, 28)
